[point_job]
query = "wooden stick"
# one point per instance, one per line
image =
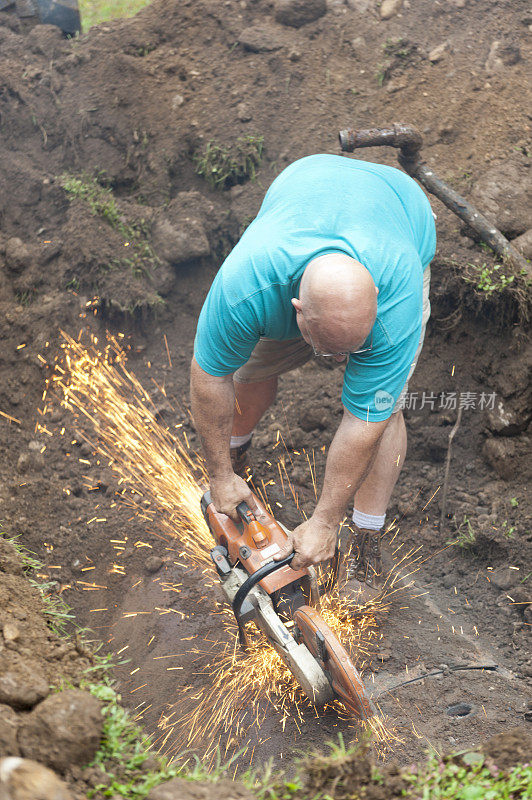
(448, 469)
(409, 142)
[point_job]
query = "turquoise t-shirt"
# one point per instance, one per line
(319, 204)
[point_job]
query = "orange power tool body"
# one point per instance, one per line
(283, 603)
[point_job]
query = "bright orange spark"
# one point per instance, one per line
(159, 479)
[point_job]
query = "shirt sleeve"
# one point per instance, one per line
(374, 380)
(372, 385)
(226, 335)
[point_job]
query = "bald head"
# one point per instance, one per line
(337, 303)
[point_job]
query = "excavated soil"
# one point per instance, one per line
(134, 101)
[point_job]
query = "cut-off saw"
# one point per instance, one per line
(284, 604)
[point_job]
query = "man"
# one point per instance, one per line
(335, 264)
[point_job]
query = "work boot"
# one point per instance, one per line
(240, 460)
(361, 578)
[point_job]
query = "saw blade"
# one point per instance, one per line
(332, 655)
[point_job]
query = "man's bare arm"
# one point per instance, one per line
(348, 462)
(349, 459)
(213, 402)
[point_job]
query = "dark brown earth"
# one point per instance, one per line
(134, 101)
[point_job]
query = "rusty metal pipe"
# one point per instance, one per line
(400, 135)
(409, 141)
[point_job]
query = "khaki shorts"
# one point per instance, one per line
(272, 357)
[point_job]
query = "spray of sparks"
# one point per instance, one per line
(161, 480)
(242, 686)
(162, 476)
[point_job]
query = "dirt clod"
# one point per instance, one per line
(299, 12)
(24, 779)
(503, 577)
(180, 789)
(262, 38)
(389, 8)
(510, 748)
(498, 453)
(9, 560)
(180, 240)
(524, 243)
(18, 255)
(8, 731)
(153, 563)
(504, 192)
(64, 729)
(22, 682)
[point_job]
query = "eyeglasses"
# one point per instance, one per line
(344, 354)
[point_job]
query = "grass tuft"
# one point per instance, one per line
(224, 166)
(465, 536)
(469, 776)
(488, 278)
(125, 756)
(58, 614)
(95, 11)
(102, 203)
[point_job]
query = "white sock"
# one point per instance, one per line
(371, 522)
(238, 441)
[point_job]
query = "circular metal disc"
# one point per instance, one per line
(332, 655)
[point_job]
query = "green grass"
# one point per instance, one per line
(58, 614)
(465, 536)
(469, 776)
(506, 290)
(223, 165)
(125, 749)
(489, 278)
(26, 298)
(96, 11)
(102, 203)
(99, 198)
(339, 774)
(130, 768)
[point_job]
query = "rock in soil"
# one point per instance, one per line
(261, 38)
(23, 779)
(11, 633)
(499, 454)
(180, 240)
(504, 421)
(180, 789)
(360, 5)
(389, 8)
(153, 563)
(523, 243)
(8, 732)
(30, 462)
(65, 729)
(504, 195)
(501, 56)
(299, 12)
(22, 683)
(18, 255)
(437, 53)
(503, 577)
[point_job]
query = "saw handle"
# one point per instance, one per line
(245, 513)
(257, 576)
